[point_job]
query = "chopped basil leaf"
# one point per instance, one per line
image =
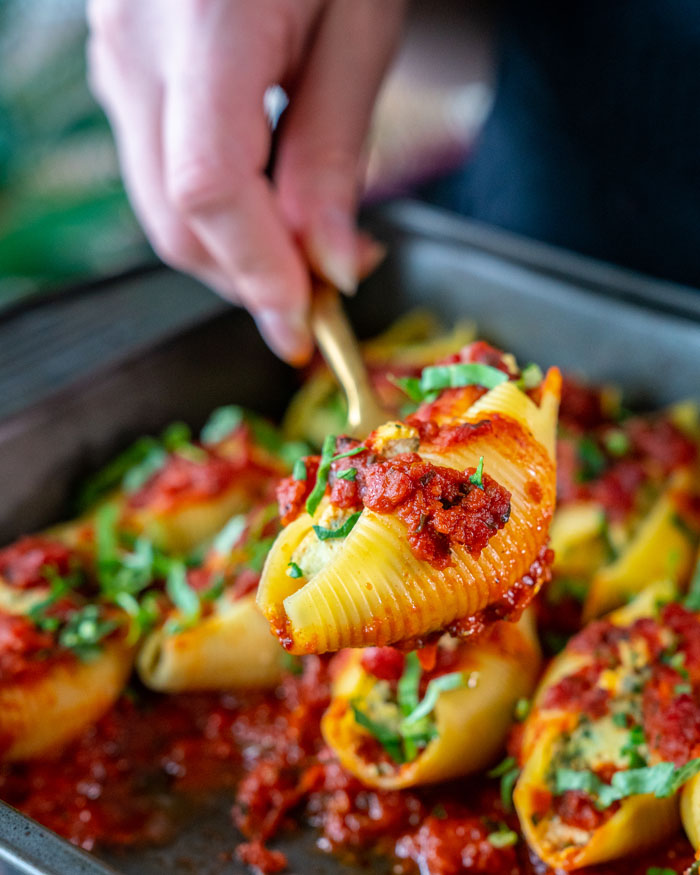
(522, 709)
(389, 740)
(661, 870)
(181, 593)
(508, 771)
(215, 590)
(662, 779)
(683, 690)
(176, 435)
(438, 377)
(477, 478)
(435, 378)
(294, 571)
(230, 535)
(620, 720)
(221, 423)
(142, 614)
(140, 474)
(324, 466)
(292, 664)
(692, 600)
(411, 386)
(504, 838)
(353, 452)
(530, 376)
(407, 689)
(617, 443)
(84, 630)
(343, 531)
(299, 470)
(452, 681)
(591, 459)
(348, 474)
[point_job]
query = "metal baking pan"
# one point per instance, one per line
(543, 304)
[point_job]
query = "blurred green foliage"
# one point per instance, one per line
(64, 215)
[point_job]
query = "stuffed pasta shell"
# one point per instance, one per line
(440, 521)
(228, 644)
(63, 660)
(613, 735)
(394, 725)
(178, 492)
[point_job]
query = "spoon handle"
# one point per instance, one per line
(339, 347)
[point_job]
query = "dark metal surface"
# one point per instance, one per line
(543, 304)
(28, 849)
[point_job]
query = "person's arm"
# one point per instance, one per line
(183, 85)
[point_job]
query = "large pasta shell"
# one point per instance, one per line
(191, 523)
(42, 715)
(472, 722)
(374, 591)
(690, 810)
(660, 549)
(639, 823)
(231, 648)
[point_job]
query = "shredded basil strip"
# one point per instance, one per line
(407, 689)
(328, 456)
(503, 837)
(299, 470)
(84, 630)
(411, 386)
(692, 600)
(343, 531)
(229, 536)
(437, 377)
(324, 466)
(477, 478)
(389, 739)
(591, 459)
(181, 593)
(508, 771)
(452, 681)
(530, 376)
(294, 571)
(662, 779)
(661, 870)
(348, 474)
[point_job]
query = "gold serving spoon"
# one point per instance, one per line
(339, 347)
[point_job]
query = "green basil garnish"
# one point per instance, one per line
(477, 478)
(343, 531)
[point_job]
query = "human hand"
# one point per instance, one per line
(183, 85)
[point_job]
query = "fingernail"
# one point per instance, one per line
(372, 254)
(287, 334)
(333, 249)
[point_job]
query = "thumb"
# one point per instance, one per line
(319, 158)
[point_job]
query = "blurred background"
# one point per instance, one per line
(64, 216)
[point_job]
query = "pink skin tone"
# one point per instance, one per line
(182, 82)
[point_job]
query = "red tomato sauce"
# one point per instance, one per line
(187, 480)
(144, 767)
(440, 506)
(26, 653)
(30, 562)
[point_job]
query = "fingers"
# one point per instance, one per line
(216, 144)
(319, 156)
